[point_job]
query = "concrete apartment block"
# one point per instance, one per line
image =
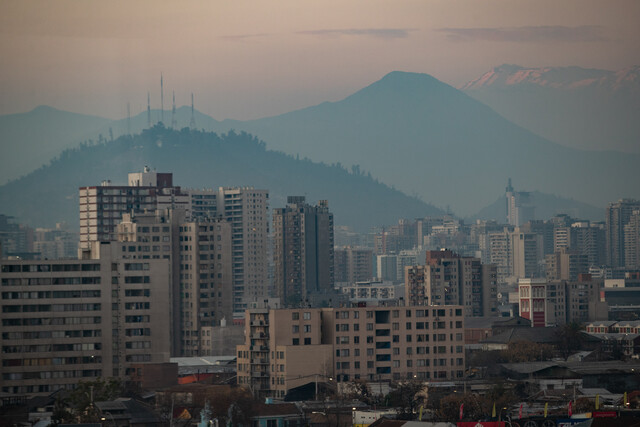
(289, 348)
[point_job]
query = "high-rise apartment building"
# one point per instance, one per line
(289, 348)
(353, 265)
(566, 264)
(617, 216)
(199, 253)
(65, 321)
(516, 254)
(246, 208)
(632, 241)
(303, 250)
(520, 208)
(102, 207)
(449, 279)
(590, 241)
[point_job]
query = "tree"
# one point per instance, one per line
(526, 351)
(407, 398)
(79, 405)
(475, 407)
(570, 339)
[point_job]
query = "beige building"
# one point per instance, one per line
(246, 208)
(449, 279)
(199, 254)
(566, 264)
(102, 208)
(517, 254)
(289, 348)
(551, 303)
(65, 321)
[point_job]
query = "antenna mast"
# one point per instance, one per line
(174, 123)
(192, 124)
(128, 118)
(161, 100)
(148, 110)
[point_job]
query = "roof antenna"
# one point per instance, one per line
(192, 124)
(174, 123)
(161, 100)
(148, 110)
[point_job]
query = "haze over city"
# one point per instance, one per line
(246, 60)
(283, 213)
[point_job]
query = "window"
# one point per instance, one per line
(306, 315)
(296, 341)
(295, 316)
(295, 329)
(307, 328)
(307, 341)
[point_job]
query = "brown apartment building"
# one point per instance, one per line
(288, 348)
(65, 321)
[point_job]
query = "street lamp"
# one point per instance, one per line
(113, 420)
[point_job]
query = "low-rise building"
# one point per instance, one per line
(289, 348)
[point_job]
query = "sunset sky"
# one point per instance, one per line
(251, 58)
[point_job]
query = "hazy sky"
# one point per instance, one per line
(247, 59)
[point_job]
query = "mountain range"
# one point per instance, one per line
(578, 107)
(203, 159)
(412, 132)
(432, 140)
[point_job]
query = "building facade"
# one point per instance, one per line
(289, 348)
(65, 321)
(199, 254)
(559, 302)
(353, 265)
(246, 208)
(101, 207)
(449, 279)
(303, 253)
(617, 217)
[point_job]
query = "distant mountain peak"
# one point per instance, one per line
(571, 77)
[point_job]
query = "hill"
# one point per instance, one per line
(582, 108)
(430, 139)
(29, 140)
(202, 159)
